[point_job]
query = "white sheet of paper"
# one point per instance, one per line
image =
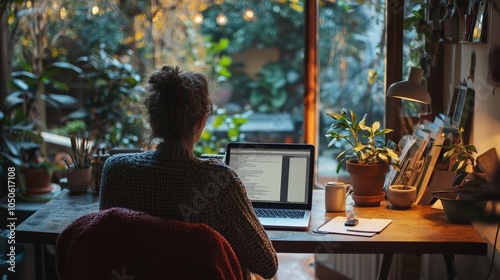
(365, 227)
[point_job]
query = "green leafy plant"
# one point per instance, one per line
(71, 127)
(465, 180)
(423, 28)
(361, 140)
(210, 142)
(49, 166)
(18, 123)
(464, 153)
(112, 109)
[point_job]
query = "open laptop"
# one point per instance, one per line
(278, 179)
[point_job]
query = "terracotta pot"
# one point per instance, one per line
(401, 197)
(79, 179)
(37, 180)
(367, 182)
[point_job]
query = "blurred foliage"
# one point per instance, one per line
(111, 108)
(77, 127)
(167, 33)
(19, 120)
(221, 128)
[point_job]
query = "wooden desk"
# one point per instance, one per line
(419, 230)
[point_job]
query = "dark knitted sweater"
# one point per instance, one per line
(171, 182)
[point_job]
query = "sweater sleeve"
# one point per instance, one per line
(244, 231)
(109, 183)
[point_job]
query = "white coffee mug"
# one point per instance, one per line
(335, 196)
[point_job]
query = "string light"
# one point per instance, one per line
(221, 20)
(95, 10)
(249, 15)
(63, 13)
(198, 18)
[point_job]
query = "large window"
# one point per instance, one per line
(351, 64)
(253, 51)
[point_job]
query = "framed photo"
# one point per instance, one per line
(464, 110)
(453, 103)
(456, 117)
(494, 41)
(479, 28)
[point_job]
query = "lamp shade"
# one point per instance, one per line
(412, 89)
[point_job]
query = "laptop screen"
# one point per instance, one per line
(274, 173)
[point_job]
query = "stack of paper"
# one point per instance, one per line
(365, 227)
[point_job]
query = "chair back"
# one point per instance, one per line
(119, 243)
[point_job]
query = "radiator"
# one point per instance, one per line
(359, 266)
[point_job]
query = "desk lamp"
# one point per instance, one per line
(412, 89)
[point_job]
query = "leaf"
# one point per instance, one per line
(16, 161)
(339, 166)
(383, 157)
(393, 155)
(218, 120)
(353, 117)
(342, 154)
(332, 142)
(225, 60)
(280, 100)
(471, 148)
(11, 145)
(65, 65)
(78, 114)
(13, 100)
(359, 147)
(386, 130)
(19, 84)
(63, 99)
(334, 115)
(363, 126)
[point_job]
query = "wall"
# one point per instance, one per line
(486, 118)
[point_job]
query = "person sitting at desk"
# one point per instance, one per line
(172, 183)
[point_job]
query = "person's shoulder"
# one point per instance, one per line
(215, 164)
(218, 167)
(127, 158)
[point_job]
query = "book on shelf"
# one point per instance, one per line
(410, 158)
(428, 167)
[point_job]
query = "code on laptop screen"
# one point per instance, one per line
(273, 175)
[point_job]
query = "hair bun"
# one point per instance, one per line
(167, 81)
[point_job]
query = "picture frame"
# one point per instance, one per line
(459, 105)
(494, 52)
(464, 110)
(453, 103)
(478, 29)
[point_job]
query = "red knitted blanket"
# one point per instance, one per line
(124, 244)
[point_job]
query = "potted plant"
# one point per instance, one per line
(464, 160)
(402, 196)
(36, 171)
(367, 161)
(19, 125)
(459, 203)
(79, 173)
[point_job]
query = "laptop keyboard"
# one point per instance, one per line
(279, 213)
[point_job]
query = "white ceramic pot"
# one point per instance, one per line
(400, 197)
